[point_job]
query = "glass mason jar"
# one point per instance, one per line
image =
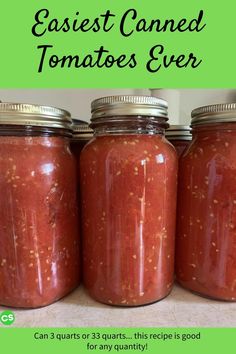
(180, 136)
(82, 134)
(128, 182)
(206, 232)
(38, 217)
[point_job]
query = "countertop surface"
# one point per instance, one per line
(179, 309)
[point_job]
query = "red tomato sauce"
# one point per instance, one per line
(180, 145)
(206, 233)
(76, 148)
(129, 199)
(39, 259)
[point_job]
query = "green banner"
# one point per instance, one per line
(125, 43)
(115, 340)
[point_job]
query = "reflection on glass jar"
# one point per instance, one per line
(128, 179)
(206, 233)
(39, 259)
(180, 136)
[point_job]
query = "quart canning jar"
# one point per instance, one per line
(206, 233)
(82, 134)
(180, 136)
(39, 259)
(128, 179)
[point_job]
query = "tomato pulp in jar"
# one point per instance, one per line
(206, 233)
(180, 136)
(128, 182)
(39, 259)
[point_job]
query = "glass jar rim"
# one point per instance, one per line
(30, 131)
(122, 124)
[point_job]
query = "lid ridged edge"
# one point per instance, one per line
(222, 112)
(134, 99)
(34, 115)
(81, 129)
(129, 105)
(176, 132)
(27, 108)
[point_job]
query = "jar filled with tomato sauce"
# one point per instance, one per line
(180, 136)
(206, 232)
(82, 134)
(39, 256)
(128, 181)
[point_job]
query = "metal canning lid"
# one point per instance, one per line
(216, 113)
(34, 115)
(81, 129)
(179, 132)
(129, 105)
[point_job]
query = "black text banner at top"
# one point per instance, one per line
(126, 25)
